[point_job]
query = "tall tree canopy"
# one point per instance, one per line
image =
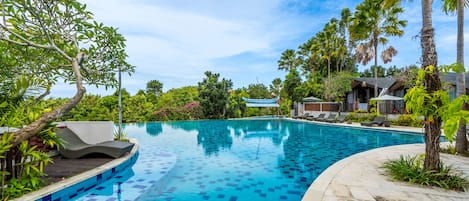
(213, 95)
(155, 87)
(54, 41)
(288, 60)
(258, 91)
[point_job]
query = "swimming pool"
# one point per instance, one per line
(237, 160)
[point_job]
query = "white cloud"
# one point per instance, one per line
(176, 41)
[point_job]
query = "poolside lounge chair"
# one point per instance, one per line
(320, 116)
(74, 147)
(376, 121)
(304, 116)
(330, 118)
(339, 119)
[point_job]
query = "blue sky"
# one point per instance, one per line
(176, 41)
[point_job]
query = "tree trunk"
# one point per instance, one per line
(461, 140)
(329, 70)
(432, 83)
(375, 45)
(35, 127)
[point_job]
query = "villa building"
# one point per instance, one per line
(363, 91)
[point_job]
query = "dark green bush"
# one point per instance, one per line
(411, 169)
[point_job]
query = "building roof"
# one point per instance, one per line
(272, 102)
(451, 78)
(383, 82)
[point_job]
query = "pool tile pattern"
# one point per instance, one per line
(233, 160)
(128, 186)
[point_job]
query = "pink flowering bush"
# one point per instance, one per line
(190, 111)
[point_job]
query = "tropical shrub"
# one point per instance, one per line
(359, 116)
(409, 120)
(411, 169)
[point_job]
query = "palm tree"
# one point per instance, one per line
(288, 60)
(372, 23)
(307, 61)
(344, 33)
(326, 44)
(458, 6)
(433, 84)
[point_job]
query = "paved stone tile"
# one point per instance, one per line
(361, 177)
(361, 194)
(341, 191)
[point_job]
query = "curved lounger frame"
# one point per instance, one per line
(75, 147)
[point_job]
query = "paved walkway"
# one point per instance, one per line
(360, 177)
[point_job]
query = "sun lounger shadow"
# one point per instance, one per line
(376, 121)
(74, 147)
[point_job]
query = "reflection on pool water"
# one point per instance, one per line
(237, 159)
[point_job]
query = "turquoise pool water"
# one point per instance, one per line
(236, 160)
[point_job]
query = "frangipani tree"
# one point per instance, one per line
(54, 41)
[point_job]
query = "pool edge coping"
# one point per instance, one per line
(417, 130)
(68, 182)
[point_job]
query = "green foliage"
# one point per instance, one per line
(49, 138)
(339, 84)
(288, 60)
(411, 169)
(372, 23)
(155, 87)
(373, 108)
(275, 87)
(178, 97)
(122, 136)
(93, 108)
(42, 37)
(420, 103)
(369, 72)
(409, 120)
(408, 75)
(360, 116)
(258, 91)
(30, 168)
(236, 107)
(292, 85)
(213, 95)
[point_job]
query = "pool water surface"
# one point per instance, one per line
(236, 160)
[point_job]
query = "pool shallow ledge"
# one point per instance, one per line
(69, 182)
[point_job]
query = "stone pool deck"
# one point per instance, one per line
(360, 177)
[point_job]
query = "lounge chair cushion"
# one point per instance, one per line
(74, 147)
